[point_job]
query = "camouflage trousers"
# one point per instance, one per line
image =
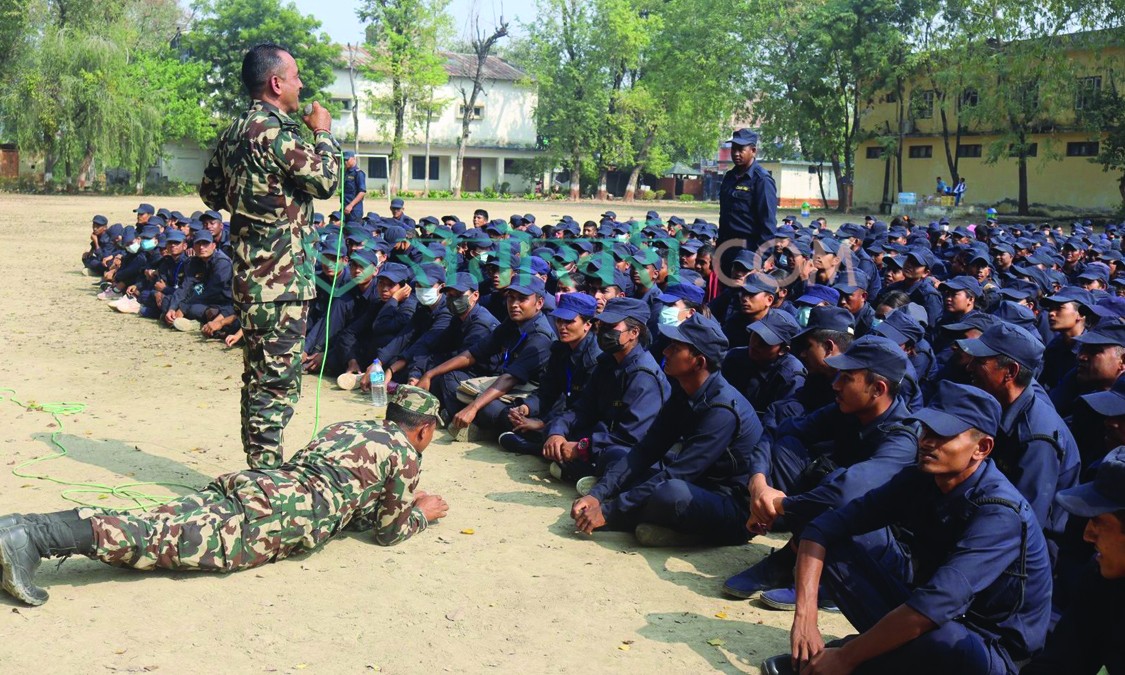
(273, 336)
(241, 520)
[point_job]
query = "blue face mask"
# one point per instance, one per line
(148, 244)
(803, 316)
(875, 322)
(670, 316)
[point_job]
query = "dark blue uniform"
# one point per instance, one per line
(321, 325)
(427, 327)
(461, 335)
(973, 561)
(615, 411)
(207, 286)
(702, 488)
(355, 182)
(763, 386)
(748, 206)
(923, 293)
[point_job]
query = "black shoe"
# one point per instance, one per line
(513, 442)
(778, 665)
(19, 558)
(775, 570)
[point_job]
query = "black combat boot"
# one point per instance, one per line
(26, 540)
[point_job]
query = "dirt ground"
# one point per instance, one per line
(503, 584)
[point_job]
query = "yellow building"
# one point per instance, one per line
(1059, 170)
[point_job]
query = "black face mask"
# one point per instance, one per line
(458, 305)
(610, 341)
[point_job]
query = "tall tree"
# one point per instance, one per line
(482, 47)
(402, 39)
(224, 30)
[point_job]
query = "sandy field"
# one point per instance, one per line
(502, 585)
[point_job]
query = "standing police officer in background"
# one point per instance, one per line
(747, 199)
(355, 188)
(267, 177)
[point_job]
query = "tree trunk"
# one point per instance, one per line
(841, 187)
(642, 157)
(576, 178)
(631, 187)
(1121, 187)
(901, 137)
(355, 99)
(1024, 208)
(887, 178)
(950, 161)
(820, 183)
(429, 119)
(603, 181)
(482, 47)
(395, 184)
(84, 168)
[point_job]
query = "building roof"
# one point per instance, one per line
(457, 65)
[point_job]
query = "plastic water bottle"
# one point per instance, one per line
(378, 388)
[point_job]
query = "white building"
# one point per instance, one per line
(501, 134)
(502, 131)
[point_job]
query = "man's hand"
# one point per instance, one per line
(211, 326)
(553, 447)
(403, 293)
(464, 418)
(765, 505)
(312, 363)
(530, 424)
(348, 210)
(587, 514)
(232, 340)
(132, 291)
(150, 274)
(423, 382)
(830, 661)
(432, 506)
(319, 118)
(172, 315)
(159, 285)
(805, 642)
(353, 367)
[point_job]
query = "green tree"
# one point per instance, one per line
(402, 39)
(225, 29)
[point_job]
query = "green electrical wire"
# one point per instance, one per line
(126, 491)
(328, 312)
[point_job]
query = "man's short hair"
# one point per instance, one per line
(262, 62)
(408, 420)
(481, 212)
(841, 339)
(871, 377)
(1023, 378)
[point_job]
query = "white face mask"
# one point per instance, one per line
(429, 296)
(670, 316)
(803, 315)
(134, 247)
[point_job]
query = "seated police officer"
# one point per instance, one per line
(573, 358)
(620, 402)
(827, 458)
(943, 569)
(470, 325)
(765, 372)
(697, 494)
(1088, 636)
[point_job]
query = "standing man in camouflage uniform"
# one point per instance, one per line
(356, 475)
(267, 177)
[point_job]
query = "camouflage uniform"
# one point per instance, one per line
(357, 474)
(266, 176)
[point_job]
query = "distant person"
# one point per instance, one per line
(747, 198)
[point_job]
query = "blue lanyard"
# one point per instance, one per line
(508, 352)
(568, 379)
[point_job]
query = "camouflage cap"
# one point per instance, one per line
(416, 400)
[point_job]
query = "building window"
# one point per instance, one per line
(344, 103)
(1032, 150)
(922, 103)
(875, 152)
(969, 98)
(921, 151)
(478, 112)
(1082, 149)
(509, 166)
(972, 150)
(418, 168)
(1087, 93)
(377, 167)
(812, 170)
(891, 97)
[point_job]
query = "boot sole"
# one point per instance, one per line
(24, 592)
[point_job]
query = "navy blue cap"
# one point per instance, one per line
(818, 293)
(394, 234)
(701, 332)
(973, 320)
(213, 215)
(776, 328)
(177, 215)
(691, 246)
(348, 154)
(101, 220)
(825, 317)
(956, 408)
(430, 274)
(874, 353)
(1110, 308)
(760, 283)
(1075, 243)
(1018, 315)
(363, 258)
(828, 245)
(1104, 494)
(575, 304)
(963, 283)
(747, 259)
(922, 256)
(744, 137)
(620, 280)
(203, 235)
(1073, 294)
(619, 309)
(397, 203)
(145, 208)
(851, 280)
(328, 246)
(1002, 339)
(149, 231)
(463, 283)
(156, 221)
(851, 230)
(1105, 333)
(318, 218)
(534, 286)
(676, 292)
(539, 266)
(396, 272)
(335, 215)
(195, 225)
(900, 328)
(174, 237)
